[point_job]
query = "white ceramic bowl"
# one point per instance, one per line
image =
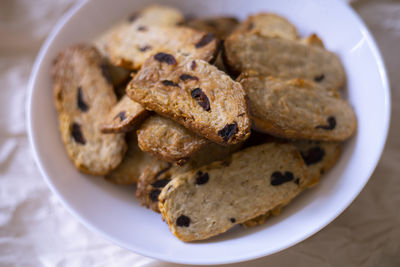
(113, 211)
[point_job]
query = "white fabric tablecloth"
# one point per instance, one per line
(36, 230)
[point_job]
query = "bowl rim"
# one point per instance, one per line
(235, 258)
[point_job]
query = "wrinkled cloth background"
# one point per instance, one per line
(36, 230)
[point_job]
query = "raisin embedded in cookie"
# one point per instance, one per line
(168, 140)
(297, 109)
(132, 44)
(159, 173)
(155, 15)
(195, 94)
(268, 24)
(283, 58)
(133, 164)
(83, 97)
(124, 116)
(318, 156)
(210, 200)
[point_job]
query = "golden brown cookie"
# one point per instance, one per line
(133, 164)
(156, 15)
(268, 24)
(212, 199)
(124, 116)
(159, 173)
(297, 109)
(319, 158)
(168, 140)
(132, 44)
(195, 94)
(283, 58)
(83, 96)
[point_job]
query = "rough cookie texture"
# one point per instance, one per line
(124, 116)
(220, 26)
(283, 58)
(268, 24)
(159, 173)
(157, 15)
(210, 200)
(83, 96)
(297, 109)
(195, 94)
(132, 44)
(167, 140)
(133, 164)
(319, 158)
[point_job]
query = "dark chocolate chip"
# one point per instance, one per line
(105, 72)
(154, 195)
(185, 77)
(121, 116)
(233, 220)
(205, 40)
(319, 78)
(161, 183)
(144, 48)
(201, 98)
(202, 178)
(77, 134)
(331, 124)
(183, 221)
(228, 131)
(166, 58)
(142, 28)
(80, 102)
(170, 83)
(313, 155)
(277, 178)
(297, 181)
(193, 65)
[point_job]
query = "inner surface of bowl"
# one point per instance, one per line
(115, 213)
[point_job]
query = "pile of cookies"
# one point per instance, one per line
(217, 122)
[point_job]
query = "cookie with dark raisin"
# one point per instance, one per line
(156, 15)
(83, 97)
(233, 193)
(283, 58)
(297, 109)
(124, 116)
(319, 157)
(159, 173)
(220, 26)
(168, 140)
(133, 164)
(129, 44)
(268, 24)
(195, 94)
